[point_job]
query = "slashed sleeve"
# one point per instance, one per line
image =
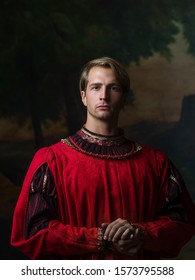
(174, 226)
(37, 228)
(42, 203)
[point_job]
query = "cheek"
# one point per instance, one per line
(88, 102)
(91, 100)
(84, 101)
(119, 102)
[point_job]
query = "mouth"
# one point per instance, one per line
(103, 107)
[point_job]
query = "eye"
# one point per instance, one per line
(116, 88)
(95, 87)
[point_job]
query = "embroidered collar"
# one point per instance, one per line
(96, 145)
(100, 139)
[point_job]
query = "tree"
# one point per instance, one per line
(44, 43)
(27, 62)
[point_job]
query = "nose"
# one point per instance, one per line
(104, 94)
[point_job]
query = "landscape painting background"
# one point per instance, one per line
(40, 101)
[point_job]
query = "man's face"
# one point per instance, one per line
(103, 96)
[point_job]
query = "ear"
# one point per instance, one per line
(83, 97)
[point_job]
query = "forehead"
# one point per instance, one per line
(98, 73)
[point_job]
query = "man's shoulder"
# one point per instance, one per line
(47, 151)
(153, 152)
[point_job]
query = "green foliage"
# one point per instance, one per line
(189, 29)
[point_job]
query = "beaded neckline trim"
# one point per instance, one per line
(101, 140)
(112, 147)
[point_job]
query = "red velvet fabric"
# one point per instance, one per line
(94, 190)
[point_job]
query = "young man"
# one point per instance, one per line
(98, 195)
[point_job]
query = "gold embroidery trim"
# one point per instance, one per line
(175, 180)
(67, 141)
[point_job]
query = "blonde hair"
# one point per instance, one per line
(106, 62)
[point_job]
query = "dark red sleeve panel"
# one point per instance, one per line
(175, 226)
(56, 240)
(42, 204)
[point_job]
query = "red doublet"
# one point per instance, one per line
(94, 189)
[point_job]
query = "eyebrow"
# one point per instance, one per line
(99, 84)
(95, 84)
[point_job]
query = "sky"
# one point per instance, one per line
(160, 85)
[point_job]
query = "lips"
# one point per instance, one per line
(103, 107)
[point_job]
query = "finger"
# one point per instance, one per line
(128, 247)
(126, 244)
(117, 230)
(123, 246)
(131, 236)
(127, 234)
(138, 235)
(134, 234)
(112, 232)
(107, 230)
(104, 225)
(112, 227)
(137, 232)
(115, 236)
(124, 232)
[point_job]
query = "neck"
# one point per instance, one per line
(102, 128)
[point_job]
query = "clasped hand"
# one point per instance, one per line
(124, 237)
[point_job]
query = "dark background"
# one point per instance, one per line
(44, 44)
